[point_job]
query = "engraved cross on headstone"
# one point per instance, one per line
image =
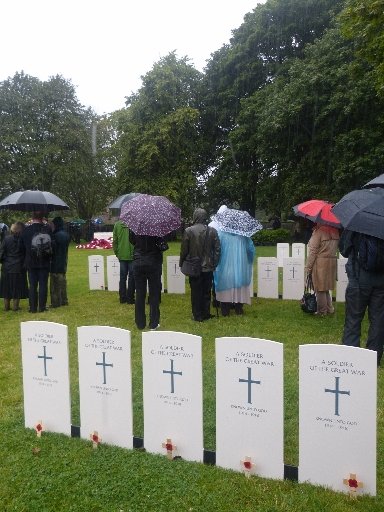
(104, 365)
(249, 381)
(337, 392)
(45, 357)
(172, 373)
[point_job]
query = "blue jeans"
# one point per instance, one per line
(127, 294)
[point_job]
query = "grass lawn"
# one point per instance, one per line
(68, 475)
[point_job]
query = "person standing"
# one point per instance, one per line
(13, 285)
(59, 261)
(233, 274)
(147, 268)
(123, 250)
(365, 291)
(322, 265)
(201, 241)
(36, 238)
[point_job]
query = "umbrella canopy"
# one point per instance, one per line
(150, 215)
(33, 200)
(78, 221)
(376, 182)
(117, 203)
(237, 222)
(318, 211)
(362, 211)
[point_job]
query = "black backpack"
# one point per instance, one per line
(369, 252)
(41, 246)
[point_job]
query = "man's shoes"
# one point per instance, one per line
(123, 301)
(130, 301)
(198, 319)
(154, 328)
(208, 317)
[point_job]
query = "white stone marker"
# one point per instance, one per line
(342, 279)
(172, 390)
(46, 376)
(298, 250)
(282, 251)
(249, 405)
(96, 272)
(267, 278)
(113, 273)
(175, 278)
(293, 278)
(337, 421)
(105, 384)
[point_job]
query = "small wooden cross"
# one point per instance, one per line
(353, 484)
(169, 447)
(247, 466)
(39, 428)
(95, 438)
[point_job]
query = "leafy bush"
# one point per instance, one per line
(271, 236)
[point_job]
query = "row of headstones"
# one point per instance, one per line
(267, 276)
(337, 400)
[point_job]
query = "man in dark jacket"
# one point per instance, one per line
(202, 241)
(58, 282)
(365, 291)
(37, 265)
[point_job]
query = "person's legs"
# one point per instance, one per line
(33, 281)
(375, 339)
(321, 298)
(131, 284)
(43, 275)
(154, 287)
(7, 304)
(356, 302)
(15, 304)
(239, 308)
(225, 308)
(63, 290)
(123, 280)
(207, 278)
(141, 292)
(330, 308)
(196, 297)
(54, 290)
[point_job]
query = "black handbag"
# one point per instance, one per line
(308, 302)
(162, 245)
(191, 266)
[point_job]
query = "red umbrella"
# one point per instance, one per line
(318, 211)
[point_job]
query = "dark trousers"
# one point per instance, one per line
(358, 299)
(201, 287)
(147, 274)
(126, 294)
(38, 288)
(58, 289)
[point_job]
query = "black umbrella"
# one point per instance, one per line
(362, 211)
(33, 200)
(376, 182)
(118, 203)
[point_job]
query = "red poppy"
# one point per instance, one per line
(318, 211)
(352, 482)
(247, 464)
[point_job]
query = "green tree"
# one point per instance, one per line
(363, 22)
(160, 136)
(260, 51)
(46, 143)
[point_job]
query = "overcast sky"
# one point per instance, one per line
(105, 46)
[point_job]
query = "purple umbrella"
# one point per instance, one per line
(150, 215)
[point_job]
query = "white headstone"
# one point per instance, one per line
(46, 376)
(175, 278)
(105, 384)
(267, 278)
(249, 405)
(172, 390)
(293, 278)
(342, 279)
(96, 272)
(282, 250)
(337, 424)
(113, 273)
(298, 250)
